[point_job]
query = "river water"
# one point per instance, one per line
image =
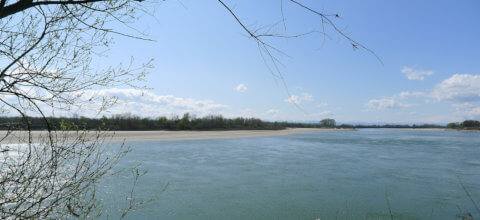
(362, 174)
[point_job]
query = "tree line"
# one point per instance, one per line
(465, 125)
(131, 122)
(401, 126)
(191, 122)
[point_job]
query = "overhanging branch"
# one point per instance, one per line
(22, 5)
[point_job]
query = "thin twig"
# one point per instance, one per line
(468, 194)
(388, 204)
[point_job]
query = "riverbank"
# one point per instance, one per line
(434, 129)
(420, 129)
(140, 136)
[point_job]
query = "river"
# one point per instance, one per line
(362, 174)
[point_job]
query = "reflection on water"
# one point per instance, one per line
(344, 175)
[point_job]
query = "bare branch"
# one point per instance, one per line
(355, 44)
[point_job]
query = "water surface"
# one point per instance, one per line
(368, 173)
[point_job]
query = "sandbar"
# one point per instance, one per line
(140, 136)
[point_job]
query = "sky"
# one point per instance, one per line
(205, 63)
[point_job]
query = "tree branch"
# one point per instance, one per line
(22, 5)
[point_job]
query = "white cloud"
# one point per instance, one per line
(386, 103)
(413, 74)
(241, 88)
(459, 88)
(295, 99)
(463, 90)
(148, 104)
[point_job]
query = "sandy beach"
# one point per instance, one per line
(120, 136)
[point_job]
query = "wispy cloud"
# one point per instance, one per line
(148, 104)
(295, 99)
(404, 95)
(322, 104)
(467, 110)
(415, 74)
(323, 114)
(386, 103)
(462, 90)
(307, 97)
(273, 111)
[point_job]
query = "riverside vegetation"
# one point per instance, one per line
(129, 122)
(465, 125)
(191, 122)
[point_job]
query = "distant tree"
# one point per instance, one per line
(345, 126)
(470, 124)
(184, 123)
(453, 125)
(328, 123)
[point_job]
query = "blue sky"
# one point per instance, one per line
(206, 64)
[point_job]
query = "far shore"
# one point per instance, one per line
(162, 135)
(434, 129)
(423, 129)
